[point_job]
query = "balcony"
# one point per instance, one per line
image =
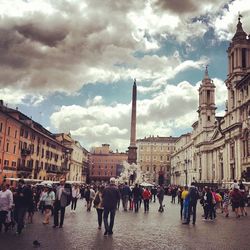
(24, 168)
(51, 171)
(25, 152)
(56, 170)
(9, 168)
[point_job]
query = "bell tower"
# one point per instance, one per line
(238, 63)
(207, 106)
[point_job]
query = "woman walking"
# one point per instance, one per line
(236, 198)
(48, 198)
(6, 203)
(75, 195)
(146, 195)
(98, 204)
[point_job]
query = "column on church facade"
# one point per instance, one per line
(238, 159)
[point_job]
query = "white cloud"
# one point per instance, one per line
(167, 111)
(225, 23)
(14, 97)
(95, 101)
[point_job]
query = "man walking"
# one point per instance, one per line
(22, 198)
(111, 197)
(193, 197)
(62, 200)
(160, 195)
(125, 196)
(136, 193)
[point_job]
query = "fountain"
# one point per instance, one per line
(131, 173)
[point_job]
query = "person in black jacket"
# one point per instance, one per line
(111, 196)
(193, 196)
(154, 192)
(208, 203)
(136, 193)
(22, 200)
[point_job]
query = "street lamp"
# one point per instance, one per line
(186, 170)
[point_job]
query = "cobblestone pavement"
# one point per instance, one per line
(153, 230)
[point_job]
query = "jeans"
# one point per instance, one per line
(161, 206)
(99, 216)
(185, 211)
(173, 199)
(58, 208)
(208, 211)
(19, 214)
(109, 226)
(73, 203)
(154, 196)
(192, 209)
(146, 205)
(3, 215)
(181, 203)
(125, 202)
(89, 204)
(136, 205)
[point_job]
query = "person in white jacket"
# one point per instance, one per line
(48, 197)
(6, 203)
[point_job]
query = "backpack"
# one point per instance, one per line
(97, 200)
(193, 194)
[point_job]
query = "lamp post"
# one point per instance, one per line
(186, 170)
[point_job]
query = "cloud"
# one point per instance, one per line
(167, 111)
(225, 23)
(95, 101)
(14, 97)
(82, 42)
(189, 7)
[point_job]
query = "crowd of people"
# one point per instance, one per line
(17, 205)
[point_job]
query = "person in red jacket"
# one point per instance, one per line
(146, 195)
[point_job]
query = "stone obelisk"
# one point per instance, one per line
(132, 149)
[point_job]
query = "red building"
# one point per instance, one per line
(105, 163)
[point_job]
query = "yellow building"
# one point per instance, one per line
(153, 156)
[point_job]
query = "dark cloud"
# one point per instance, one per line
(188, 7)
(58, 51)
(45, 36)
(178, 6)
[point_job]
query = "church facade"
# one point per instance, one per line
(218, 148)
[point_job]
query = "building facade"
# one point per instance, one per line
(77, 156)
(105, 163)
(27, 149)
(9, 145)
(154, 155)
(220, 145)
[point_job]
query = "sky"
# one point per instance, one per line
(70, 64)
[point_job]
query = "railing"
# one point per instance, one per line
(24, 168)
(9, 168)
